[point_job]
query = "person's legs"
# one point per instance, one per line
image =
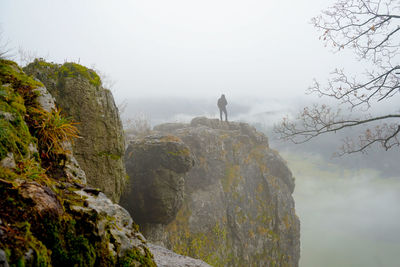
(220, 113)
(226, 115)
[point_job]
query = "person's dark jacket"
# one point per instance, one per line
(222, 102)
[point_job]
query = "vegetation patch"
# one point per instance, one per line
(23, 247)
(109, 155)
(211, 247)
(53, 131)
(14, 132)
(71, 69)
(134, 258)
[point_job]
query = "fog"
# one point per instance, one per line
(349, 217)
(171, 60)
(180, 48)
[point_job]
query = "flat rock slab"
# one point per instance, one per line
(166, 258)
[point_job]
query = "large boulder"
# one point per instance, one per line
(156, 166)
(80, 95)
(238, 208)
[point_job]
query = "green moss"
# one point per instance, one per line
(24, 230)
(14, 132)
(109, 155)
(70, 69)
(21, 117)
(68, 245)
(12, 74)
(134, 256)
(184, 152)
(44, 64)
(21, 241)
(50, 72)
(15, 136)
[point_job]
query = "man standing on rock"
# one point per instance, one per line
(222, 107)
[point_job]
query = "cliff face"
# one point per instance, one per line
(79, 94)
(48, 216)
(238, 208)
(156, 165)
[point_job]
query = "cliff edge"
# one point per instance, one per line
(237, 207)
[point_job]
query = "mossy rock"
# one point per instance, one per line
(14, 132)
(71, 69)
(238, 208)
(79, 94)
(45, 219)
(156, 166)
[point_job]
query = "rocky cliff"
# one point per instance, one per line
(48, 215)
(80, 95)
(237, 208)
(156, 165)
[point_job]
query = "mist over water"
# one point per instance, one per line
(349, 217)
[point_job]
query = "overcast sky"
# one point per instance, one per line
(252, 48)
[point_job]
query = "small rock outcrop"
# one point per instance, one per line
(79, 94)
(238, 208)
(156, 166)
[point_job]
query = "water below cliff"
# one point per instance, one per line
(349, 216)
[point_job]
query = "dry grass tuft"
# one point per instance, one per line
(53, 130)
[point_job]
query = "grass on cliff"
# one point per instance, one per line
(54, 130)
(68, 69)
(71, 69)
(24, 123)
(15, 90)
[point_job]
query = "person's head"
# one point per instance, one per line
(222, 96)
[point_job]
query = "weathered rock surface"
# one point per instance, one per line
(238, 208)
(156, 166)
(8, 161)
(3, 259)
(114, 223)
(78, 92)
(48, 216)
(44, 200)
(166, 258)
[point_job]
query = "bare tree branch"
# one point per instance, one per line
(371, 28)
(319, 120)
(378, 86)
